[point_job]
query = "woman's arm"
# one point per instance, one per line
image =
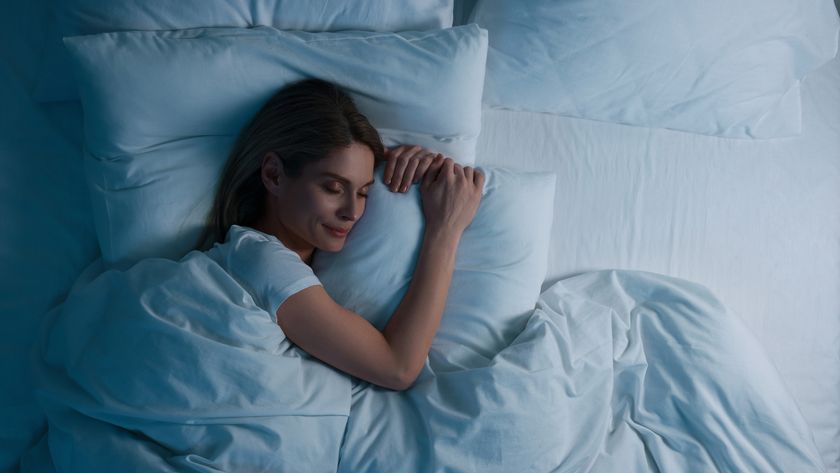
(412, 328)
(393, 358)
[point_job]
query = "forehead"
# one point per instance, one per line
(353, 163)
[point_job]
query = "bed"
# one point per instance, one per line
(678, 304)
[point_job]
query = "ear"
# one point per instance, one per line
(272, 172)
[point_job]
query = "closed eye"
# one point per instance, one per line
(337, 188)
(333, 188)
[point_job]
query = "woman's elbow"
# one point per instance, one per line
(404, 380)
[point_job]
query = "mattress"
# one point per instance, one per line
(755, 221)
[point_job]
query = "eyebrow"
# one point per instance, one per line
(342, 179)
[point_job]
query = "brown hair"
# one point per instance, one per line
(303, 122)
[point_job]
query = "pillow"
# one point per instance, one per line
(162, 110)
(713, 67)
(499, 269)
(83, 17)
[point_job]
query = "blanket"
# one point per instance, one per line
(171, 367)
(616, 371)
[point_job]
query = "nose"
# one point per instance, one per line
(351, 209)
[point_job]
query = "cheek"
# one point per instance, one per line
(304, 208)
(321, 207)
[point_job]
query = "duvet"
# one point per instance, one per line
(171, 366)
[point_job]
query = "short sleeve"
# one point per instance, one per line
(268, 270)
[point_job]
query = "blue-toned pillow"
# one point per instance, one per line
(715, 67)
(85, 17)
(162, 109)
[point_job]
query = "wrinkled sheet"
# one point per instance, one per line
(170, 366)
(757, 222)
(615, 371)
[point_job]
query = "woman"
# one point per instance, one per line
(296, 182)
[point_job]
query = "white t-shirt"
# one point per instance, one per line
(268, 270)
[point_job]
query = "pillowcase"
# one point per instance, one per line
(163, 109)
(499, 269)
(713, 67)
(83, 17)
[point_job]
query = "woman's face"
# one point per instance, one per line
(318, 208)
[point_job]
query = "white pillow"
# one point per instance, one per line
(714, 67)
(499, 269)
(162, 110)
(83, 17)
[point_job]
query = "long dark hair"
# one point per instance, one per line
(303, 122)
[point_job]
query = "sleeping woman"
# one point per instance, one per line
(296, 182)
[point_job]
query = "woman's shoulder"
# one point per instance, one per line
(247, 243)
(263, 265)
(239, 236)
(239, 232)
(248, 250)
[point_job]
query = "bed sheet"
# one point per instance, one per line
(757, 221)
(46, 229)
(613, 371)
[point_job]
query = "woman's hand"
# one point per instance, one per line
(407, 164)
(450, 196)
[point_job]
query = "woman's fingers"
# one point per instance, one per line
(399, 170)
(448, 167)
(451, 200)
(407, 164)
(389, 168)
(436, 164)
(408, 174)
(410, 151)
(457, 170)
(424, 159)
(434, 171)
(393, 156)
(424, 165)
(478, 178)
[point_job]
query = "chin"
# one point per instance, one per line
(331, 246)
(331, 249)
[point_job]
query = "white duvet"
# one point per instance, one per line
(170, 366)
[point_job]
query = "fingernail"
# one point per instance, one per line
(404, 188)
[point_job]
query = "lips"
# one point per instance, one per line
(337, 232)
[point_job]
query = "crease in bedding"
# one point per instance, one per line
(171, 366)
